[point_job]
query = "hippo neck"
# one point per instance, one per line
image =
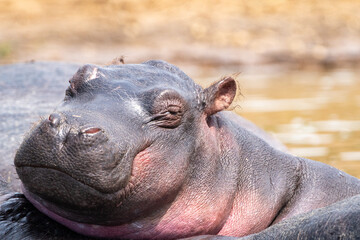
(244, 189)
(267, 180)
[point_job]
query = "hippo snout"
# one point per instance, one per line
(67, 144)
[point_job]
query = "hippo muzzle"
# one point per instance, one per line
(78, 163)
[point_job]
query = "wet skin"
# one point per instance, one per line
(141, 151)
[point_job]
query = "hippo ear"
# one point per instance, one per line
(219, 96)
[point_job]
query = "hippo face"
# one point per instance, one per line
(121, 144)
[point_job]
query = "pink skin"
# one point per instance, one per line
(247, 217)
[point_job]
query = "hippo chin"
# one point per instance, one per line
(140, 151)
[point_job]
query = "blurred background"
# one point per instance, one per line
(298, 60)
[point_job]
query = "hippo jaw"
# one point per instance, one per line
(79, 225)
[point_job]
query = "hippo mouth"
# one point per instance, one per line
(58, 171)
(69, 197)
(74, 188)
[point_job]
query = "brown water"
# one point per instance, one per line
(316, 114)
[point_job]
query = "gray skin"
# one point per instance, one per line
(141, 151)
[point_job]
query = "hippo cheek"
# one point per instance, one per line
(158, 176)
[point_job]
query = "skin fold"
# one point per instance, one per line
(139, 151)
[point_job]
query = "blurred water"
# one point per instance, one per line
(316, 114)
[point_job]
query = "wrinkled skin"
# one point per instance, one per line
(140, 151)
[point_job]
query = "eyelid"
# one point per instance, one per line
(174, 108)
(167, 109)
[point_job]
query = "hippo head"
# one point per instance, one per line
(121, 146)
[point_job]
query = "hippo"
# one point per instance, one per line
(139, 151)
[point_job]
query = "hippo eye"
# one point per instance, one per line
(168, 109)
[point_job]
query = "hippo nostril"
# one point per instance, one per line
(91, 130)
(54, 119)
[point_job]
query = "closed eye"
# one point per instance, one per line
(169, 118)
(167, 109)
